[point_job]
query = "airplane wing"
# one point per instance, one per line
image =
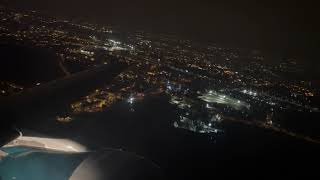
(38, 164)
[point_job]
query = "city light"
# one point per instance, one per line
(203, 92)
(131, 100)
(218, 98)
(250, 92)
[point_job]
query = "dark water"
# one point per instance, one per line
(241, 152)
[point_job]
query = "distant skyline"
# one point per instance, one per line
(286, 27)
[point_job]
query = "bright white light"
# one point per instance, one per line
(239, 101)
(114, 42)
(175, 124)
(210, 124)
(222, 97)
(218, 117)
(210, 91)
(130, 100)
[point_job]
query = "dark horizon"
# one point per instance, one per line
(287, 28)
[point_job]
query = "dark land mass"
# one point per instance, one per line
(52, 98)
(56, 96)
(26, 66)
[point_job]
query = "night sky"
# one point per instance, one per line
(286, 27)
